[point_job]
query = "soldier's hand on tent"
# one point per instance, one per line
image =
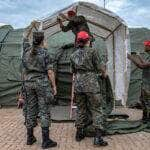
(20, 103)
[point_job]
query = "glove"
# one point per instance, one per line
(20, 103)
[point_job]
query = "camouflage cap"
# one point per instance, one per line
(38, 36)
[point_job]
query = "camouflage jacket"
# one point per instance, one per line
(77, 24)
(86, 64)
(36, 66)
(146, 74)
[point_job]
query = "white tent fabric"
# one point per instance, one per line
(113, 30)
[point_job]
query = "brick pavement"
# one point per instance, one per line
(12, 135)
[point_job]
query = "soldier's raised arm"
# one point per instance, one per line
(139, 62)
(64, 28)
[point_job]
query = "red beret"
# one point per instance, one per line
(82, 35)
(71, 13)
(146, 43)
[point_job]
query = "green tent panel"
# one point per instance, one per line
(10, 61)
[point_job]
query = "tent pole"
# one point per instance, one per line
(126, 72)
(114, 72)
(100, 26)
(104, 3)
(113, 30)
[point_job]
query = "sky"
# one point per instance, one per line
(19, 13)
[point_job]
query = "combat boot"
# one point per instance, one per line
(47, 142)
(98, 140)
(30, 137)
(80, 135)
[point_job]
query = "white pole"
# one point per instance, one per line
(104, 3)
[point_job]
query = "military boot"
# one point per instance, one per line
(30, 137)
(98, 140)
(80, 135)
(47, 142)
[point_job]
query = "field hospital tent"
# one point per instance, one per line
(105, 26)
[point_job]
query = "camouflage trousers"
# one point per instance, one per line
(38, 98)
(89, 109)
(25, 110)
(146, 102)
(25, 104)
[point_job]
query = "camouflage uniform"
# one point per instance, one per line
(38, 91)
(26, 47)
(77, 24)
(85, 64)
(146, 88)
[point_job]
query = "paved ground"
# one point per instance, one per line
(12, 135)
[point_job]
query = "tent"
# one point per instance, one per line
(11, 49)
(106, 27)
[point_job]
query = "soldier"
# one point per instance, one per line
(86, 64)
(76, 24)
(145, 66)
(38, 69)
(26, 45)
